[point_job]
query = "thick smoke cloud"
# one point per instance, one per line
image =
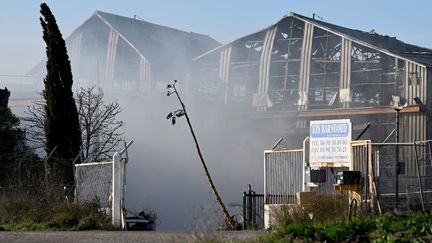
(165, 173)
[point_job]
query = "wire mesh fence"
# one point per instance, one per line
(404, 174)
(94, 181)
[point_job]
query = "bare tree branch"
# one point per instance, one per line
(34, 119)
(100, 129)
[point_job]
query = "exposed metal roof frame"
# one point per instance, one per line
(124, 38)
(299, 17)
(96, 13)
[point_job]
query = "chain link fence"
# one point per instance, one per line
(94, 181)
(404, 174)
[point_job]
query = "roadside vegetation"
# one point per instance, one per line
(390, 227)
(325, 219)
(22, 213)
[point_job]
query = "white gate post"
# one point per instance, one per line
(116, 191)
(118, 181)
(305, 160)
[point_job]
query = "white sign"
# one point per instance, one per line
(330, 142)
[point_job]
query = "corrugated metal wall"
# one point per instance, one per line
(283, 175)
(414, 125)
(415, 82)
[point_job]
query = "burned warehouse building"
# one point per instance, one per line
(303, 69)
(117, 52)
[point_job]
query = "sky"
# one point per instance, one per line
(21, 44)
(180, 187)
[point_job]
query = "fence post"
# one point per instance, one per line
(244, 211)
(397, 158)
(118, 188)
(418, 175)
(47, 172)
(371, 179)
(116, 191)
(430, 152)
(366, 179)
(249, 206)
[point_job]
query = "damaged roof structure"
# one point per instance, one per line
(301, 69)
(120, 52)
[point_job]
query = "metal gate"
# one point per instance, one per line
(253, 210)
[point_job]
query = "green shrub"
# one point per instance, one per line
(304, 231)
(361, 226)
(420, 224)
(334, 232)
(386, 228)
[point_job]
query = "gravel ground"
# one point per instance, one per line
(125, 236)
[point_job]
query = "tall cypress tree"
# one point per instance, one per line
(61, 122)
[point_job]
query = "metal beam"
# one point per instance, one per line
(332, 112)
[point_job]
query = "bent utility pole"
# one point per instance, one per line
(182, 112)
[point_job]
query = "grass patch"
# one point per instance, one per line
(24, 214)
(16, 209)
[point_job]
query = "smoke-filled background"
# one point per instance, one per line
(164, 172)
